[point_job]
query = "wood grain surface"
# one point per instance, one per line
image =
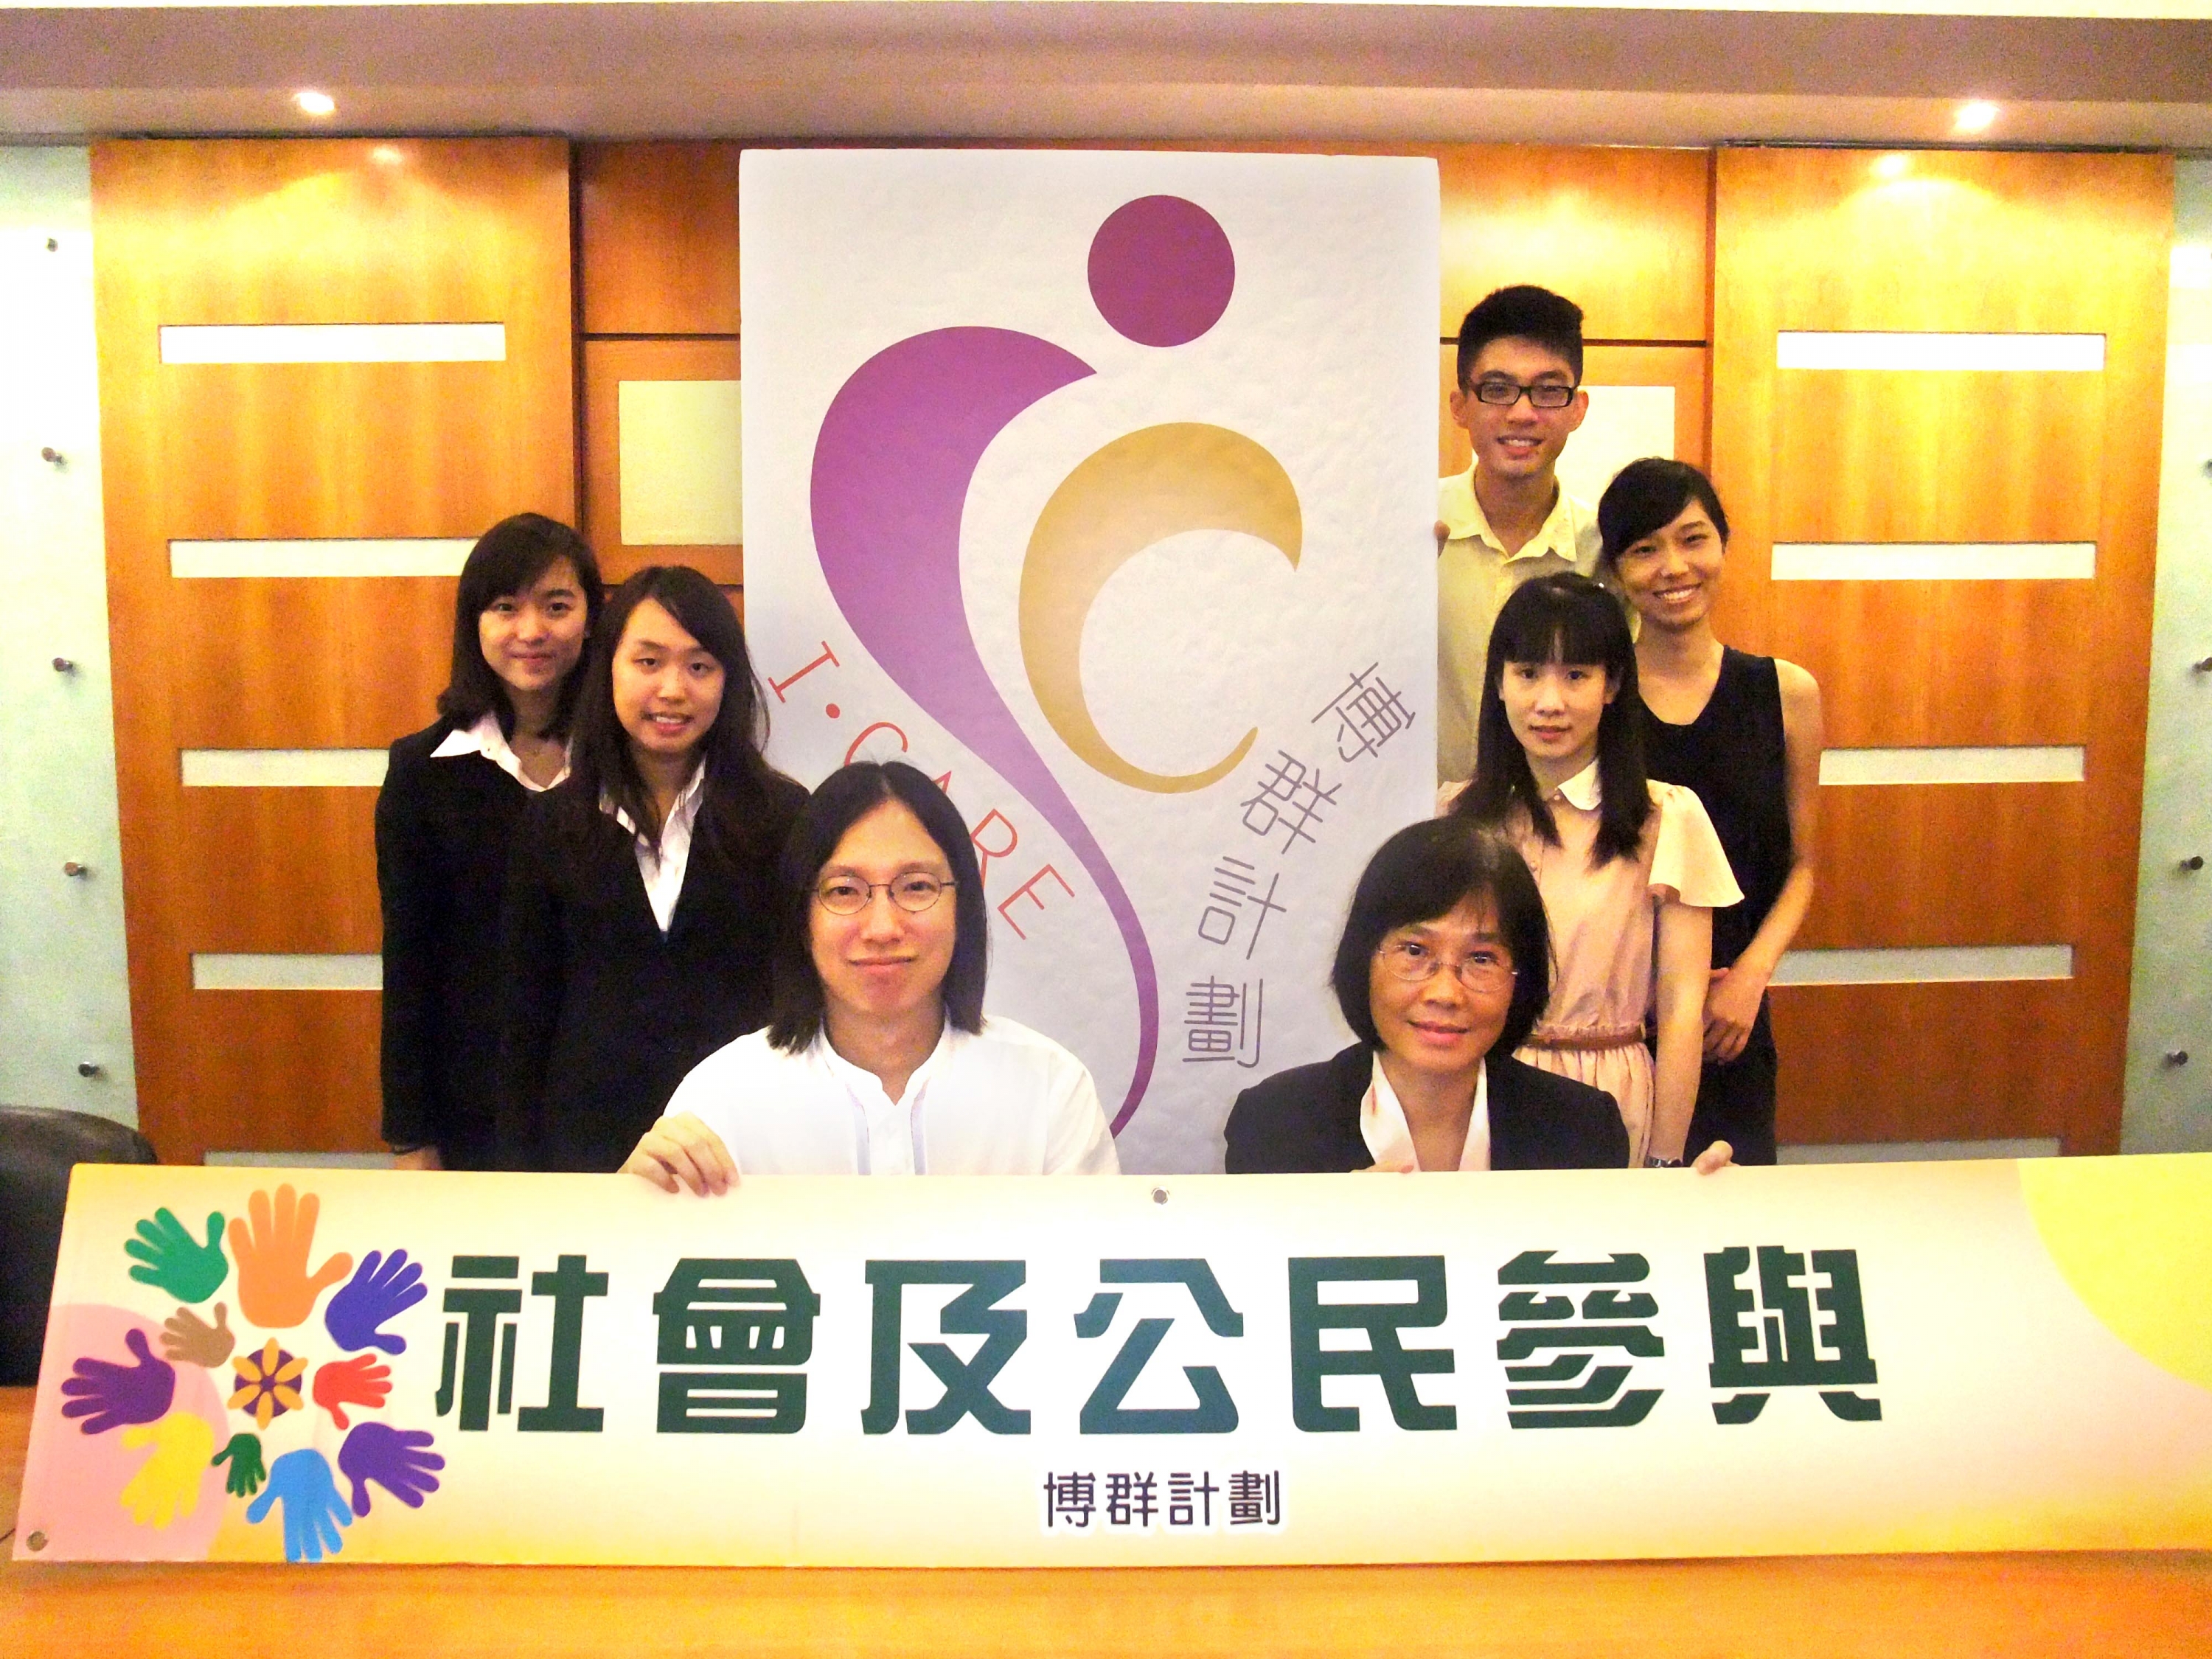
(298, 231)
(1965, 242)
(2024, 1607)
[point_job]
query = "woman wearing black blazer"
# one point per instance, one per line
(641, 911)
(1442, 968)
(453, 795)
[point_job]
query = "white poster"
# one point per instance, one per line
(1097, 486)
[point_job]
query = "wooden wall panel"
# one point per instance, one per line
(1904, 865)
(312, 854)
(298, 231)
(336, 662)
(1953, 664)
(1965, 1062)
(1968, 242)
(1626, 233)
(607, 363)
(659, 230)
(1683, 367)
(1930, 457)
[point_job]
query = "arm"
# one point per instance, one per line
(408, 890)
(1686, 960)
(530, 981)
(1732, 1004)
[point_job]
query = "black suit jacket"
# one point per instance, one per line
(1306, 1120)
(602, 1015)
(442, 831)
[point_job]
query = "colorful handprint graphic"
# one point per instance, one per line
(167, 1484)
(310, 1331)
(398, 1460)
(189, 1341)
(275, 1289)
(314, 1511)
(244, 1477)
(382, 1290)
(108, 1394)
(169, 1259)
(360, 1381)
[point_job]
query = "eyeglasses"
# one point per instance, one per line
(1485, 968)
(1504, 393)
(915, 892)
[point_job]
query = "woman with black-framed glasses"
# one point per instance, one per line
(1444, 967)
(879, 1059)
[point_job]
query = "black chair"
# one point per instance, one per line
(38, 1149)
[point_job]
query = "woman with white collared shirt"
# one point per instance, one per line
(640, 913)
(1631, 869)
(880, 1060)
(453, 794)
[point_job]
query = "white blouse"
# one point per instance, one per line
(1389, 1138)
(1002, 1101)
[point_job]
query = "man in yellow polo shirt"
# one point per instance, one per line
(1505, 519)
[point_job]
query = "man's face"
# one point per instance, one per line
(1517, 441)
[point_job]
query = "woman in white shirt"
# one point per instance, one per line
(879, 1059)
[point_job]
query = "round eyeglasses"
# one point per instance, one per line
(1485, 968)
(848, 896)
(1504, 393)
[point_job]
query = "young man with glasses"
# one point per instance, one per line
(1505, 519)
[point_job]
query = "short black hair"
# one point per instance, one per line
(1523, 312)
(506, 559)
(1426, 871)
(845, 797)
(1648, 496)
(1563, 619)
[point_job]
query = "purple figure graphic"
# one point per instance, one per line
(893, 462)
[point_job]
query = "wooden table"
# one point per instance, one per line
(1879, 1607)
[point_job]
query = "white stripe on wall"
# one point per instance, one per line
(1926, 964)
(412, 555)
(1933, 562)
(2078, 354)
(283, 769)
(1918, 1151)
(287, 973)
(2017, 763)
(334, 343)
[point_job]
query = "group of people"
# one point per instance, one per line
(617, 937)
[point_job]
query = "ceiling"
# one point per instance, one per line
(1110, 69)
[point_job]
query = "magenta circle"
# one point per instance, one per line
(1162, 271)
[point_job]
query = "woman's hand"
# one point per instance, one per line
(1718, 1156)
(1731, 1009)
(682, 1151)
(423, 1157)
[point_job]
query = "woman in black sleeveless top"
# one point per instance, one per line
(1744, 732)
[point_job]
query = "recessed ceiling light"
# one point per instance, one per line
(317, 104)
(1976, 116)
(1895, 165)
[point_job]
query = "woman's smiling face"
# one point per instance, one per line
(1443, 1023)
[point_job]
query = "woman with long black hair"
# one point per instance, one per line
(640, 912)
(453, 795)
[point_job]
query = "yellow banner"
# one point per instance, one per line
(352, 1366)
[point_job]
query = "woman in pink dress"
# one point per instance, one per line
(1631, 869)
